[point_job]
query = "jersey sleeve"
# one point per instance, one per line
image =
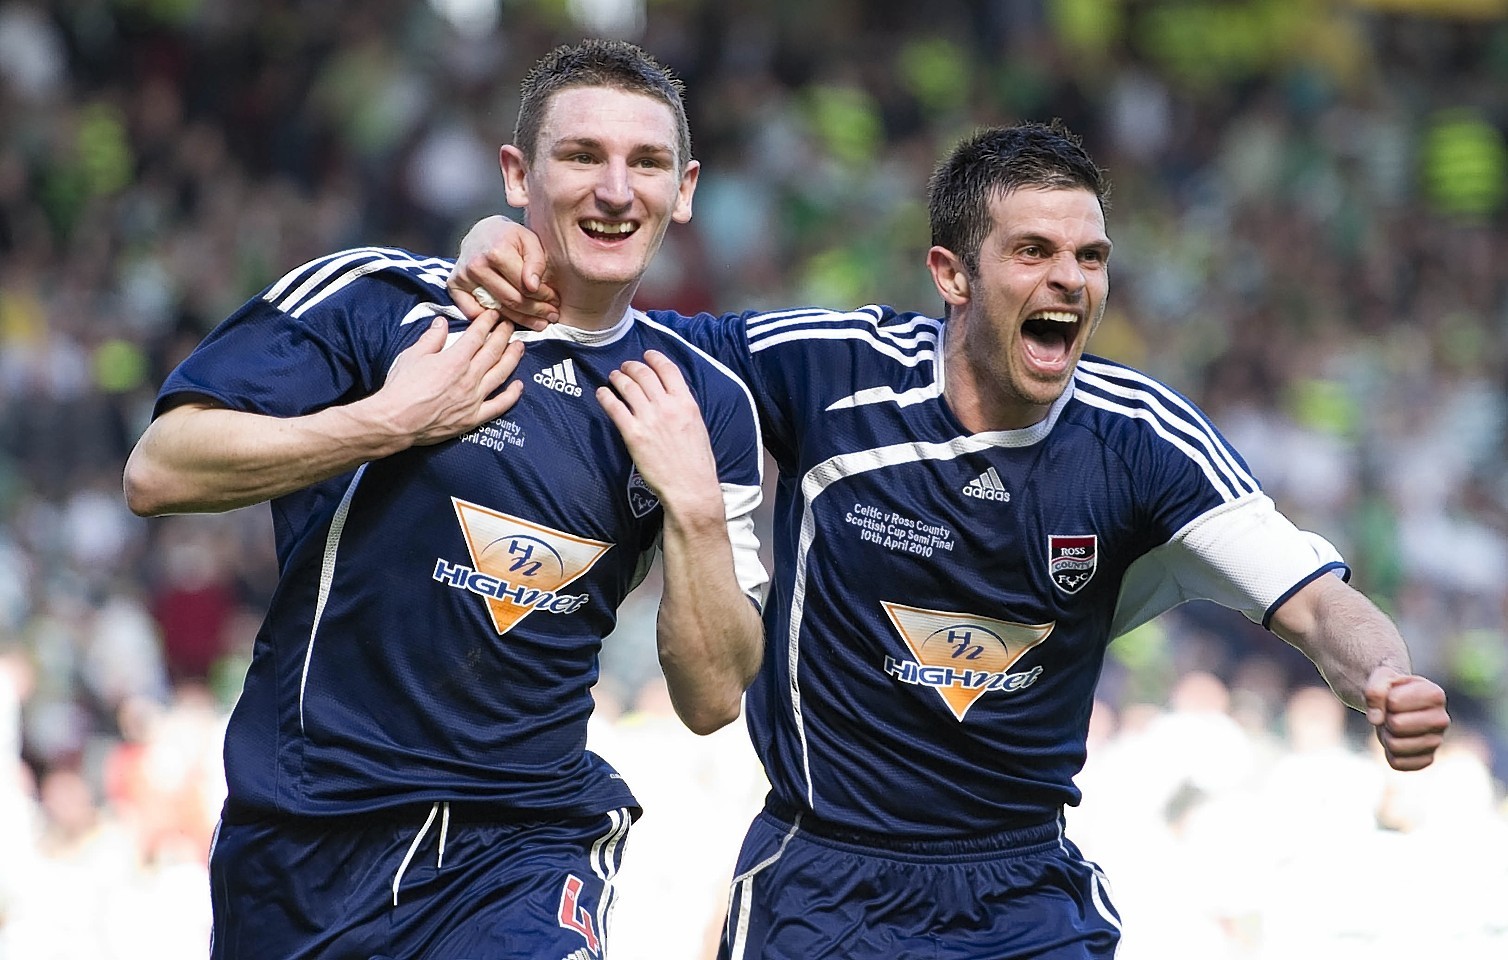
(725, 339)
(317, 338)
(801, 362)
(1245, 555)
(740, 502)
(734, 431)
(1208, 531)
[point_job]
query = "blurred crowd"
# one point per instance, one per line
(1310, 211)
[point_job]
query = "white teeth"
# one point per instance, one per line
(602, 226)
(1061, 316)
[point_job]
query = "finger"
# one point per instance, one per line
(669, 374)
(495, 407)
(645, 376)
(534, 310)
(1412, 747)
(492, 350)
(629, 387)
(615, 409)
(461, 296)
(545, 291)
(1414, 693)
(532, 314)
(433, 339)
(475, 286)
(543, 302)
(532, 253)
(520, 256)
(1416, 760)
(512, 275)
(1408, 763)
(1375, 693)
(475, 335)
(507, 363)
(1417, 723)
(1413, 735)
(492, 289)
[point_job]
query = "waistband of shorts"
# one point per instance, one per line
(1022, 838)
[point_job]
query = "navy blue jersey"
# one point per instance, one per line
(942, 600)
(435, 629)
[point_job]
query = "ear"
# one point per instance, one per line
(515, 169)
(949, 275)
(681, 212)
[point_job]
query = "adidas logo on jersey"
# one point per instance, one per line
(561, 377)
(987, 486)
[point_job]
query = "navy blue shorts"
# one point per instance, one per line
(804, 894)
(415, 884)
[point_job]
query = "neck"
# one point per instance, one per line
(978, 401)
(590, 306)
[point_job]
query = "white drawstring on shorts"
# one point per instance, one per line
(443, 810)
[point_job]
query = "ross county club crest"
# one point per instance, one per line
(1071, 561)
(641, 499)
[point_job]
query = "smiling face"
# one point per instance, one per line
(1020, 320)
(604, 183)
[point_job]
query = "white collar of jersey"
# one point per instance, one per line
(587, 338)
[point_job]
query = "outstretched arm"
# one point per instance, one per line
(502, 265)
(709, 634)
(201, 458)
(1364, 659)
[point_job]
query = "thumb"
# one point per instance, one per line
(1382, 680)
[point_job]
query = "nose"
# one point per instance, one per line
(613, 190)
(1067, 275)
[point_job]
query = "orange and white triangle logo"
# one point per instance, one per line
(969, 655)
(530, 563)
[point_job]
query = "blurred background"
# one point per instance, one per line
(1309, 216)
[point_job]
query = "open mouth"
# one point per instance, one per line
(1048, 336)
(609, 231)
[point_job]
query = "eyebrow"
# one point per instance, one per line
(1103, 246)
(592, 143)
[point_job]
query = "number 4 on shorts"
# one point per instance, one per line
(572, 915)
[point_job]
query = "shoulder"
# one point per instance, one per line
(1125, 393)
(358, 273)
(1146, 421)
(674, 335)
(809, 358)
(798, 344)
(873, 326)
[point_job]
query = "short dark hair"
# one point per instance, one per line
(615, 64)
(995, 161)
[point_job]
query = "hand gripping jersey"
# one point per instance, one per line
(435, 630)
(943, 600)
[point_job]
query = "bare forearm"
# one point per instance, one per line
(197, 459)
(710, 636)
(1345, 635)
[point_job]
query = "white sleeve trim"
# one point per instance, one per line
(739, 503)
(1243, 554)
